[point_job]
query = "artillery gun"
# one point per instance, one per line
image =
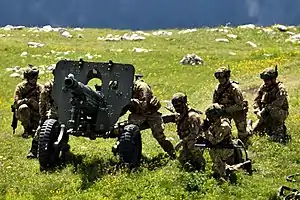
(84, 112)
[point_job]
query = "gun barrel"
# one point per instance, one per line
(91, 98)
(227, 146)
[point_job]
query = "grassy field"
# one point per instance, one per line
(95, 176)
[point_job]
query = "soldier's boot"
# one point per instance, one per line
(33, 152)
(279, 134)
(115, 148)
(168, 147)
(26, 132)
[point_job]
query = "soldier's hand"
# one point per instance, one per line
(258, 114)
(22, 101)
(205, 125)
(178, 145)
(134, 105)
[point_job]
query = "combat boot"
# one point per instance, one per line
(25, 134)
(33, 152)
(168, 147)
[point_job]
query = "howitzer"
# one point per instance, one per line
(86, 112)
(14, 123)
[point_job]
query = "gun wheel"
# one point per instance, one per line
(48, 155)
(130, 146)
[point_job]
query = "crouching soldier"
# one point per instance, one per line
(47, 110)
(217, 130)
(271, 107)
(26, 98)
(188, 128)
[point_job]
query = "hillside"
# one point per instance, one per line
(94, 175)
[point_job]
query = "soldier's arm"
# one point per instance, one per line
(238, 99)
(215, 96)
(280, 97)
(18, 94)
(257, 100)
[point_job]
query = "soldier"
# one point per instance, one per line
(271, 106)
(217, 130)
(229, 96)
(144, 107)
(26, 98)
(188, 128)
(47, 110)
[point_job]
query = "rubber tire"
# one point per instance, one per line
(48, 156)
(130, 148)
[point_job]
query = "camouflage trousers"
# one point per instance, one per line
(273, 124)
(28, 117)
(156, 125)
(240, 120)
(221, 157)
(192, 156)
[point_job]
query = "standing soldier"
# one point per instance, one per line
(229, 96)
(188, 128)
(271, 106)
(144, 107)
(26, 98)
(47, 110)
(217, 130)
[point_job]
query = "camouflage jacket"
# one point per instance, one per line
(189, 125)
(231, 97)
(46, 104)
(271, 97)
(219, 132)
(143, 94)
(24, 90)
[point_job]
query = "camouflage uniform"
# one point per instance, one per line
(219, 133)
(271, 106)
(230, 97)
(47, 110)
(188, 128)
(26, 97)
(144, 107)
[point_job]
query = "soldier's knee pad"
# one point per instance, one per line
(23, 113)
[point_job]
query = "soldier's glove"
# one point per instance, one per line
(262, 113)
(155, 104)
(178, 145)
(22, 101)
(202, 140)
(205, 125)
(134, 106)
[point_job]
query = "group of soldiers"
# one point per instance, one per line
(34, 104)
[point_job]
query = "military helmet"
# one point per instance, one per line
(214, 110)
(222, 72)
(269, 73)
(179, 98)
(30, 72)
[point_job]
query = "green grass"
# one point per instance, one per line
(95, 175)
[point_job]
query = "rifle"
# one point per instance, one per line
(14, 123)
(218, 146)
